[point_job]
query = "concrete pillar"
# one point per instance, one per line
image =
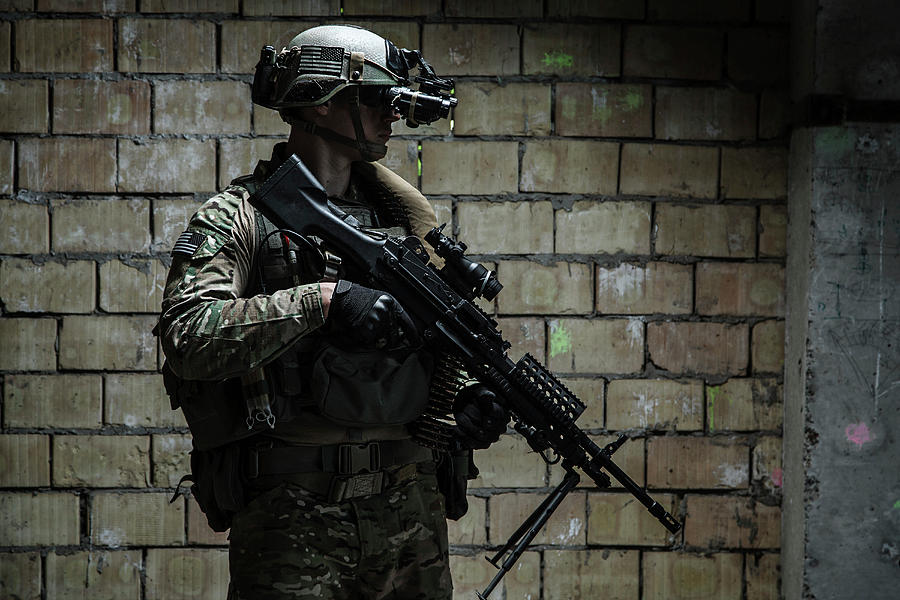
(841, 514)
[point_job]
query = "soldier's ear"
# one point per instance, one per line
(324, 108)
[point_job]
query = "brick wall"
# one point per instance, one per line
(621, 163)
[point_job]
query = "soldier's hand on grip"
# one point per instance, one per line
(371, 317)
(480, 419)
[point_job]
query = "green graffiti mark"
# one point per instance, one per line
(560, 341)
(633, 100)
(558, 59)
(712, 393)
(419, 148)
(897, 504)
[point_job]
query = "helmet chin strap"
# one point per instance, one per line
(369, 151)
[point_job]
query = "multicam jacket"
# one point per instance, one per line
(214, 326)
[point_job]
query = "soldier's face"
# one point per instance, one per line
(376, 120)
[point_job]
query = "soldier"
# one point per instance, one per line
(298, 384)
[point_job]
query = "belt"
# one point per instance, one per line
(338, 471)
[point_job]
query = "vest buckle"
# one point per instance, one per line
(358, 458)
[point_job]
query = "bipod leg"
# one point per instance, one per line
(528, 530)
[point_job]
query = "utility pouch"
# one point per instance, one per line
(217, 484)
(371, 388)
(454, 470)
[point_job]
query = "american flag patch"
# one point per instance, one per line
(188, 242)
(324, 60)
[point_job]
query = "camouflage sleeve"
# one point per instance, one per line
(208, 328)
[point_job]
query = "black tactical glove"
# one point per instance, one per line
(370, 317)
(480, 420)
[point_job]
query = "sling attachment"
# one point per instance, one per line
(256, 396)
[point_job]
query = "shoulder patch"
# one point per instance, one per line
(188, 243)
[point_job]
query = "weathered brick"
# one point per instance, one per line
(611, 9)
(170, 218)
(672, 52)
(596, 346)
(524, 335)
(665, 170)
(657, 287)
(268, 122)
(758, 57)
(774, 114)
(81, 6)
(95, 574)
(473, 573)
(6, 174)
(403, 34)
(199, 532)
(471, 49)
(24, 227)
(52, 401)
(64, 45)
(403, 159)
(510, 463)
(767, 469)
(533, 288)
(605, 110)
(23, 106)
(184, 573)
(744, 405)
(570, 167)
(139, 400)
(763, 575)
(215, 107)
(506, 227)
(136, 519)
(28, 344)
(89, 106)
(18, 5)
(5, 35)
(589, 391)
(239, 156)
(568, 50)
(682, 576)
(27, 286)
(136, 286)
(242, 41)
(618, 519)
(292, 8)
(20, 575)
(67, 164)
(693, 347)
(470, 529)
(684, 113)
(708, 230)
(195, 6)
(754, 173)
(24, 460)
(101, 461)
(443, 210)
(170, 458)
(767, 347)
(566, 527)
(740, 289)
(773, 230)
(477, 8)
(589, 574)
(695, 462)
(392, 8)
(654, 404)
(469, 167)
(731, 522)
(487, 108)
(101, 225)
(167, 46)
(698, 10)
(100, 343)
(167, 166)
(45, 519)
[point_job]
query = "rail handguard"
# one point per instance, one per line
(442, 301)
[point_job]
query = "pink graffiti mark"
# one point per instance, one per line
(859, 434)
(777, 476)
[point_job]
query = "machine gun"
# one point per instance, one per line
(542, 409)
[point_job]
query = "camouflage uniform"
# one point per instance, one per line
(290, 540)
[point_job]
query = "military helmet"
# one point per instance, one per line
(320, 62)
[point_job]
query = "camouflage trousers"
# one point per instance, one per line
(290, 543)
